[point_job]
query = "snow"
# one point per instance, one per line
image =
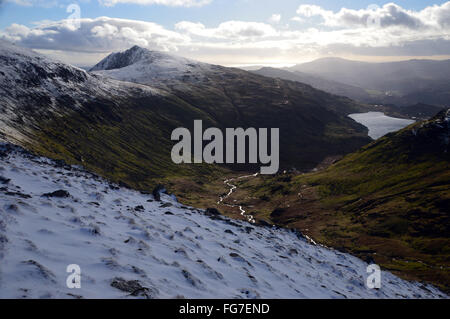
(170, 249)
(139, 65)
(32, 86)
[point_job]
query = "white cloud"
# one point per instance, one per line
(95, 35)
(389, 15)
(344, 33)
(275, 18)
(232, 30)
(310, 10)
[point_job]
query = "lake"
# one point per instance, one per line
(380, 124)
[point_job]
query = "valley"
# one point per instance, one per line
(383, 201)
(130, 245)
(386, 203)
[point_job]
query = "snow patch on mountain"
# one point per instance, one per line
(33, 86)
(129, 245)
(139, 65)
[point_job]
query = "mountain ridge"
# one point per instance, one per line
(404, 82)
(317, 82)
(130, 124)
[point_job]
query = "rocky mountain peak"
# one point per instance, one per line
(140, 65)
(133, 55)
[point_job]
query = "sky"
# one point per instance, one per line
(231, 32)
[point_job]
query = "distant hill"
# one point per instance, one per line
(419, 110)
(402, 83)
(231, 97)
(317, 82)
(122, 130)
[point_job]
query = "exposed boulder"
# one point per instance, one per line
(157, 192)
(58, 194)
(4, 180)
(134, 288)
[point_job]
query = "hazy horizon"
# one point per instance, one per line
(259, 65)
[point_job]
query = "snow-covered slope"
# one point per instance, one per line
(33, 87)
(140, 65)
(129, 245)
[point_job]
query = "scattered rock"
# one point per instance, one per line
(239, 258)
(190, 278)
(58, 194)
(139, 208)
(4, 180)
(92, 230)
(157, 192)
(111, 263)
(43, 272)
(182, 252)
(248, 229)
(18, 194)
(134, 288)
(130, 240)
(252, 278)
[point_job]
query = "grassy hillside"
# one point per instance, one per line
(127, 141)
(122, 130)
(388, 202)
